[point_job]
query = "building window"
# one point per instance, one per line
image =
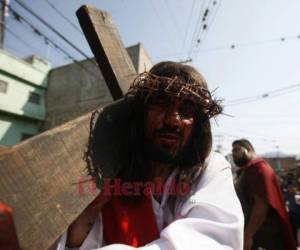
(3, 86)
(25, 136)
(34, 98)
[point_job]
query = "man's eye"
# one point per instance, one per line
(187, 111)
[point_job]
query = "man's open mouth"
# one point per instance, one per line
(169, 136)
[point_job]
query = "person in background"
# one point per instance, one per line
(267, 223)
(293, 204)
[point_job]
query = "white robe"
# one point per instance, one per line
(211, 217)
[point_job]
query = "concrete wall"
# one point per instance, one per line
(74, 90)
(140, 58)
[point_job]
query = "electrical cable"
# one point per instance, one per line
(187, 28)
(172, 17)
(206, 15)
(269, 94)
(24, 6)
(160, 21)
(198, 25)
(253, 43)
(239, 45)
(63, 16)
(202, 39)
(47, 39)
(207, 21)
(20, 39)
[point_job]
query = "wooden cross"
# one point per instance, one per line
(39, 177)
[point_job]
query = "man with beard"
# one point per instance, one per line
(159, 134)
(266, 220)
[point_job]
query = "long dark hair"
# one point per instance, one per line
(132, 156)
(136, 167)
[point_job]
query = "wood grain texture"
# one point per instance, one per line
(39, 177)
(39, 181)
(105, 42)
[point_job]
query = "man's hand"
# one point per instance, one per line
(80, 228)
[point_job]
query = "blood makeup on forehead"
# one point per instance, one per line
(186, 108)
(146, 84)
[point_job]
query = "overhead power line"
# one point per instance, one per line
(24, 6)
(173, 18)
(204, 22)
(162, 24)
(234, 46)
(202, 25)
(197, 28)
(199, 22)
(273, 93)
(63, 16)
(20, 18)
(253, 43)
(20, 39)
(250, 133)
(187, 27)
(210, 22)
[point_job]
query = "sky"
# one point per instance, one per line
(248, 49)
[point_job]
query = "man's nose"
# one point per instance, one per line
(172, 118)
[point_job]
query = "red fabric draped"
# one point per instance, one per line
(129, 222)
(8, 236)
(262, 180)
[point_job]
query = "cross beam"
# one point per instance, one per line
(39, 177)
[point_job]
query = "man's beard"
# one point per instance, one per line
(242, 161)
(163, 153)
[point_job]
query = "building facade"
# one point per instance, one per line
(287, 167)
(34, 99)
(283, 164)
(23, 83)
(74, 90)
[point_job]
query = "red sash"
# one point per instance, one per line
(262, 180)
(8, 236)
(129, 222)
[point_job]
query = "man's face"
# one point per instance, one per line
(240, 155)
(169, 123)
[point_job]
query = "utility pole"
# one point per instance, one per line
(219, 139)
(278, 160)
(4, 14)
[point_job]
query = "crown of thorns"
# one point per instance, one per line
(147, 84)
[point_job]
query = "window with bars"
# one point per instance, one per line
(34, 98)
